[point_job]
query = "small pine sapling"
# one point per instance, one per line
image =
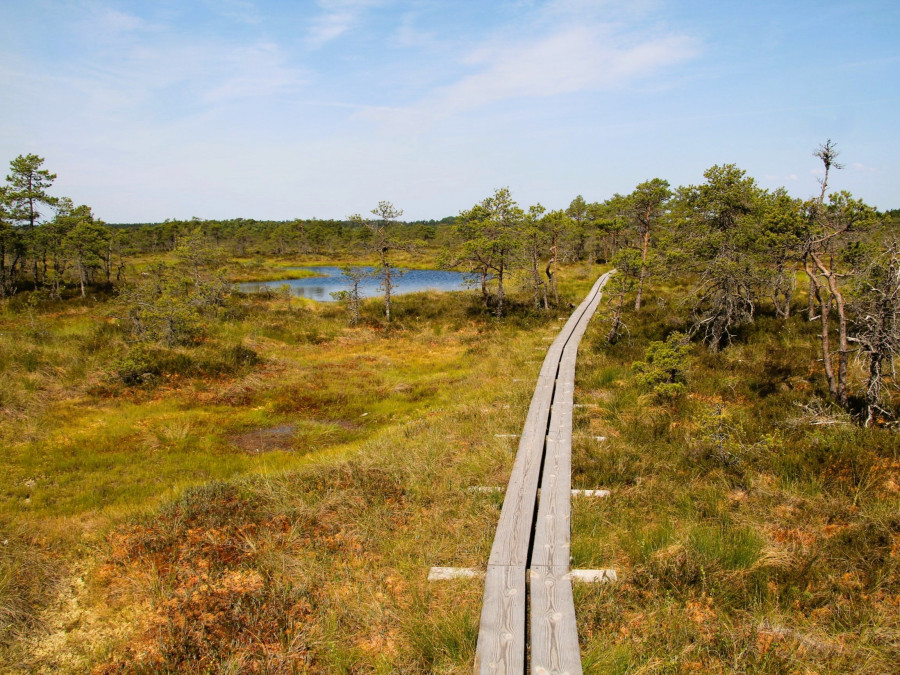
(663, 370)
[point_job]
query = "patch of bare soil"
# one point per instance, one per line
(265, 440)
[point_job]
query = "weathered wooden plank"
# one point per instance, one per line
(552, 533)
(501, 632)
(554, 636)
(551, 541)
(511, 540)
(554, 633)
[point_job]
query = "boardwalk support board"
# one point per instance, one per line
(590, 493)
(446, 573)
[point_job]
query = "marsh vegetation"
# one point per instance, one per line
(202, 480)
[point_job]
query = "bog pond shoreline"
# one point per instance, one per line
(328, 279)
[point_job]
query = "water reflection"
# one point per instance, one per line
(331, 280)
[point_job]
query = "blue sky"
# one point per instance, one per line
(159, 109)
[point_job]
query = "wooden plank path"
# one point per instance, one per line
(535, 542)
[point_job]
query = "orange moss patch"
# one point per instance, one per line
(203, 552)
(794, 536)
(214, 601)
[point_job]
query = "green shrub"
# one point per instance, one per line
(137, 367)
(662, 371)
(238, 356)
(143, 365)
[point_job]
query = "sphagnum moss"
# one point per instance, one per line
(746, 538)
(310, 557)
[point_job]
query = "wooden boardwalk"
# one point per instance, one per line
(531, 546)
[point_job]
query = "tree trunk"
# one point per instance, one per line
(387, 294)
(500, 293)
(824, 305)
(540, 288)
(825, 336)
(11, 289)
(613, 334)
(838, 382)
(783, 293)
(811, 300)
(107, 263)
(554, 261)
(811, 306)
(31, 219)
(843, 343)
(543, 289)
(354, 303)
(873, 389)
(3, 277)
(645, 244)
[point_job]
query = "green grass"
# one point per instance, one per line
(320, 543)
(146, 533)
(740, 529)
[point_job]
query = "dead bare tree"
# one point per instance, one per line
(558, 226)
(828, 154)
(383, 243)
(876, 324)
(826, 284)
(829, 263)
(627, 263)
(355, 277)
(723, 300)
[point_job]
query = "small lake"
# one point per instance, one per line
(331, 280)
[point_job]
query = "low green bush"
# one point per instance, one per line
(663, 370)
(144, 365)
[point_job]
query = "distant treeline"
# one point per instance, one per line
(246, 236)
(741, 246)
(49, 242)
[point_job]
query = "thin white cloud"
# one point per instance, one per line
(202, 73)
(242, 11)
(110, 20)
(134, 64)
(257, 70)
(598, 10)
(149, 93)
(130, 63)
(567, 60)
(857, 166)
(104, 24)
(335, 19)
(407, 35)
